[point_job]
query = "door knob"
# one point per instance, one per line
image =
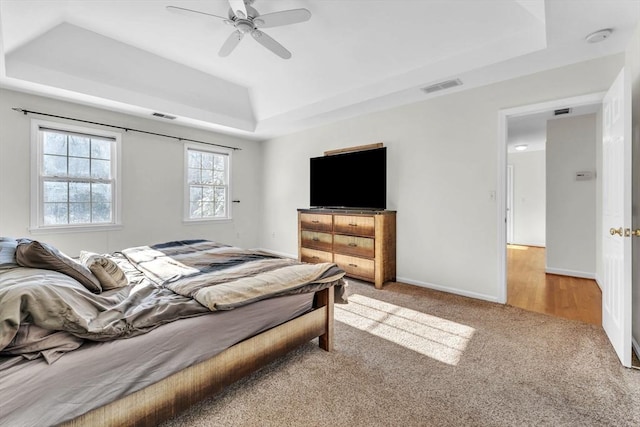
(614, 231)
(636, 232)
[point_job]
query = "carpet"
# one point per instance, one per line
(408, 356)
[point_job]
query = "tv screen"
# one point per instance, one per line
(350, 180)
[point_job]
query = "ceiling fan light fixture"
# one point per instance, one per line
(599, 36)
(245, 19)
(244, 26)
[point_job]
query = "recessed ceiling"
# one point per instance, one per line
(350, 58)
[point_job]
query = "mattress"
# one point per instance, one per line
(33, 393)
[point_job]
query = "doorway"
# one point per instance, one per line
(521, 113)
(617, 167)
(556, 280)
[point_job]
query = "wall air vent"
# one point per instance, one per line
(164, 116)
(442, 85)
(562, 111)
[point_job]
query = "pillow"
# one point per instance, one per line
(106, 270)
(34, 254)
(8, 253)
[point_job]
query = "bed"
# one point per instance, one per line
(183, 320)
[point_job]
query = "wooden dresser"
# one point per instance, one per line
(362, 243)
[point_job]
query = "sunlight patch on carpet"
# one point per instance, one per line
(432, 336)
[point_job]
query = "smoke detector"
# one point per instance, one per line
(599, 36)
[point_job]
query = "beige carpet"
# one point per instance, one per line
(408, 356)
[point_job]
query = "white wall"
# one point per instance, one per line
(529, 197)
(442, 174)
(571, 204)
(441, 177)
(152, 180)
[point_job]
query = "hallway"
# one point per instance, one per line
(530, 288)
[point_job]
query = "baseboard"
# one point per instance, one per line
(534, 244)
(599, 283)
(636, 349)
(572, 273)
(447, 289)
(456, 291)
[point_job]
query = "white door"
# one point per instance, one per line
(616, 217)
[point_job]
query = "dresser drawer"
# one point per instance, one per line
(353, 245)
(357, 267)
(315, 256)
(356, 225)
(316, 240)
(316, 222)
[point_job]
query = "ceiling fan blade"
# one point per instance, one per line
(285, 17)
(239, 9)
(231, 43)
(190, 12)
(271, 44)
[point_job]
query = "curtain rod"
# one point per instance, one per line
(25, 112)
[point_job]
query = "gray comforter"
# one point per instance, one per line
(223, 277)
(44, 313)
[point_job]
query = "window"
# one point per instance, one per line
(207, 183)
(74, 177)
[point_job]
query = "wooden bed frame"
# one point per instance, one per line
(170, 396)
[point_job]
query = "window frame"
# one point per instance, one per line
(37, 179)
(186, 187)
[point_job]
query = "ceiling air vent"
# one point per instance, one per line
(562, 111)
(164, 116)
(442, 85)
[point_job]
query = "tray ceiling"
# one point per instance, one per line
(350, 58)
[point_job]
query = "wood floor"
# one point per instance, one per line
(530, 288)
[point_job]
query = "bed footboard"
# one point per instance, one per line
(167, 398)
(324, 301)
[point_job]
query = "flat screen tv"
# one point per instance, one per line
(350, 180)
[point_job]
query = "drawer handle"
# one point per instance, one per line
(353, 265)
(315, 239)
(353, 225)
(353, 245)
(315, 257)
(315, 221)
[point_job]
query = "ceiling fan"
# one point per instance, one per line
(245, 19)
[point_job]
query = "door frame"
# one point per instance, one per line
(509, 203)
(501, 193)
